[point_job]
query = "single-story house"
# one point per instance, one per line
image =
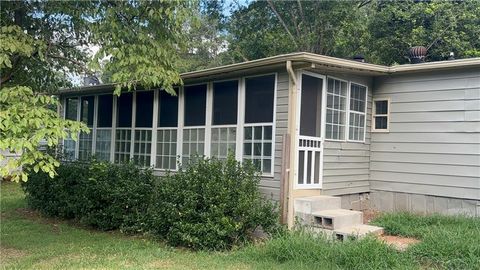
(404, 137)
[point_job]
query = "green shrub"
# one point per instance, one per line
(58, 197)
(116, 196)
(99, 194)
(211, 205)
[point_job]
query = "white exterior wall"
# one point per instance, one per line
(432, 149)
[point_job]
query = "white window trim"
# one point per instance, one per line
(273, 123)
(374, 114)
(357, 112)
(238, 125)
(207, 107)
(347, 103)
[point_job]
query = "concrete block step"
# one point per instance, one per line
(317, 203)
(336, 218)
(357, 231)
(304, 207)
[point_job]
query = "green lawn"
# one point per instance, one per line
(29, 241)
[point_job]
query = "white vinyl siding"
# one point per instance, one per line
(433, 144)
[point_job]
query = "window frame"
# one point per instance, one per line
(242, 107)
(374, 114)
(365, 113)
(347, 110)
(237, 125)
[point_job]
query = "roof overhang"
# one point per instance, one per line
(300, 60)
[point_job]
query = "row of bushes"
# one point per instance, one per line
(209, 205)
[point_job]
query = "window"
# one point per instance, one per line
(358, 101)
(259, 94)
(257, 140)
(69, 145)
(195, 112)
(223, 142)
(104, 127)
(86, 116)
(336, 109)
(381, 111)
(71, 105)
(167, 132)
(224, 132)
(195, 105)
(142, 144)
(225, 101)
(168, 110)
(257, 147)
(193, 143)
(123, 132)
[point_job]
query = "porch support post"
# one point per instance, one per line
(292, 120)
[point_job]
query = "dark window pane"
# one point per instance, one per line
(144, 108)
(311, 106)
(168, 111)
(381, 122)
(195, 105)
(124, 110)
(86, 114)
(105, 103)
(225, 97)
(259, 99)
(381, 107)
(71, 109)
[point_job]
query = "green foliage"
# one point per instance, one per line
(381, 30)
(211, 205)
(442, 26)
(44, 43)
(140, 41)
(446, 242)
(25, 121)
(102, 195)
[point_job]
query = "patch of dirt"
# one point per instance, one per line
(11, 253)
(398, 242)
(369, 215)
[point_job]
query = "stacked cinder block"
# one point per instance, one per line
(324, 214)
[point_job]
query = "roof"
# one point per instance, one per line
(314, 60)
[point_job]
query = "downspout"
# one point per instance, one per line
(292, 116)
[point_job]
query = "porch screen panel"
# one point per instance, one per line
(143, 128)
(311, 106)
(224, 130)
(123, 131)
(167, 132)
(71, 109)
(86, 116)
(104, 127)
(194, 122)
(258, 128)
(358, 101)
(336, 109)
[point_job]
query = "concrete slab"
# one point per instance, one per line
(337, 218)
(357, 231)
(316, 203)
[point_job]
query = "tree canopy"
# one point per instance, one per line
(381, 30)
(44, 43)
